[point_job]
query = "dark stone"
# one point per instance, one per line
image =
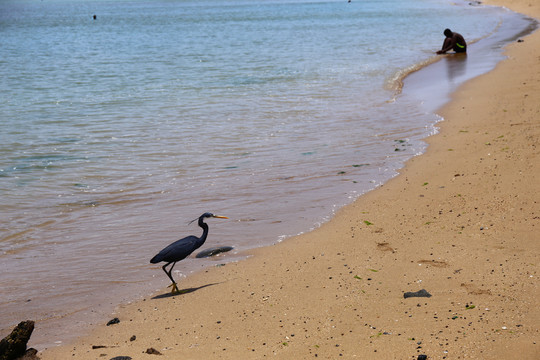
(153, 351)
(422, 357)
(13, 346)
(30, 354)
(113, 321)
(121, 358)
(133, 338)
(420, 293)
(213, 251)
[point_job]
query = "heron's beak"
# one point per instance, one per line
(220, 217)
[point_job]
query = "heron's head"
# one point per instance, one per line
(210, 215)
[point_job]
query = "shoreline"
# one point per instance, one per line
(486, 44)
(253, 296)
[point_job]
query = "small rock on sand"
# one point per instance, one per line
(153, 351)
(419, 293)
(113, 321)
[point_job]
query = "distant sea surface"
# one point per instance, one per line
(115, 132)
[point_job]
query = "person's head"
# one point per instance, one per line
(448, 33)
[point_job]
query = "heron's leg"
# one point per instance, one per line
(169, 274)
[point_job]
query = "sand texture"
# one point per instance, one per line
(461, 221)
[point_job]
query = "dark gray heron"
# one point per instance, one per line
(182, 248)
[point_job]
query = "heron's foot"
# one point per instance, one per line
(174, 288)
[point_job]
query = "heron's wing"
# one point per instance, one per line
(176, 251)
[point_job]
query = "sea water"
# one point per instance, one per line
(121, 121)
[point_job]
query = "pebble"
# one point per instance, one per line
(113, 321)
(153, 351)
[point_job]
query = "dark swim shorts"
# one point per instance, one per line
(460, 48)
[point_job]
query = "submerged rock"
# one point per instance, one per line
(420, 293)
(214, 251)
(13, 346)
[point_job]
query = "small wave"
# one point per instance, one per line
(395, 82)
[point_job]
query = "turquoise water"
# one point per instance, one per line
(117, 131)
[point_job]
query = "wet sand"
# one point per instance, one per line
(460, 221)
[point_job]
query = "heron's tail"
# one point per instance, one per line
(156, 259)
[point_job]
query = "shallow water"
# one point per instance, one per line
(116, 132)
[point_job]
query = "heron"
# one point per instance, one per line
(182, 248)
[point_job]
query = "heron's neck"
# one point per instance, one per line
(204, 226)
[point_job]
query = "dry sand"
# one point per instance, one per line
(461, 221)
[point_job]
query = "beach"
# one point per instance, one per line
(460, 221)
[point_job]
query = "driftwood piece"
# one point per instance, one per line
(13, 346)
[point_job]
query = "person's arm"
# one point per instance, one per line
(447, 45)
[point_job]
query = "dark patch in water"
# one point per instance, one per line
(65, 140)
(213, 251)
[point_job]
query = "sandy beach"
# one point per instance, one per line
(461, 221)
